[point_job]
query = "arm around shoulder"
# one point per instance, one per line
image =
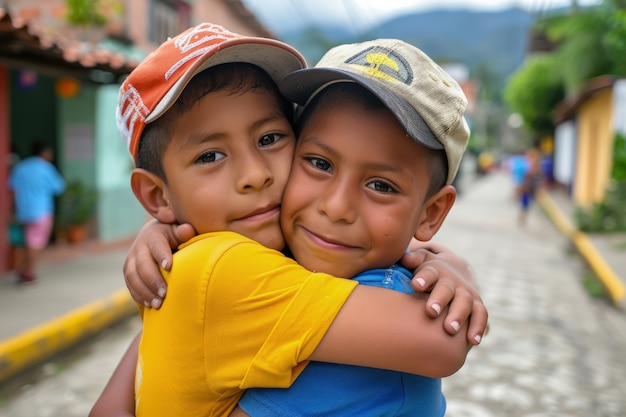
(386, 329)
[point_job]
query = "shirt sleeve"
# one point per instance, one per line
(236, 315)
(57, 183)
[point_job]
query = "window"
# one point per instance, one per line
(168, 18)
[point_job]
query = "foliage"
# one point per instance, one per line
(615, 42)
(594, 287)
(589, 42)
(609, 215)
(618, 172)
(76, 205)
(580, 52)
(534, 91)
(85, 13)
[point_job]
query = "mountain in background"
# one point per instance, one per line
(494, 43)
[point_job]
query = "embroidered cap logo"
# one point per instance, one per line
(193, 43)
(382, 63)
(138, 100)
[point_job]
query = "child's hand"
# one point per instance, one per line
(152, 248)
(449, 280)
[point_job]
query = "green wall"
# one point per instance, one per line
(76, 130)
(88, 146)
(94, 153)
(121, 215)
(32, 111)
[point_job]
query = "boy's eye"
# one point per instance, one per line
(320, 164)
(210, 156)
(269, 139)
(381, 186)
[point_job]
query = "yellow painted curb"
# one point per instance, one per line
(609, 279)
(45, 340)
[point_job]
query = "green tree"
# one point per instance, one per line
(533, 92)
(581, 51)
(85, 13)
(615, 41)
(589, 42)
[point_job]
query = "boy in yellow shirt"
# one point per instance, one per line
(218, 157)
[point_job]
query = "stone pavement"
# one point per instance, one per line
(553, 350)
(80, 291)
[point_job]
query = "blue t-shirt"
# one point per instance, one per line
(518, 165)
(35, 182)
(326, 389)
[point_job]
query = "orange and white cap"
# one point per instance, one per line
(157, 82)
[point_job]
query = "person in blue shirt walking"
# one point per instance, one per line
(35, 182)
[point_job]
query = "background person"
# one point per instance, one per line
(529, 183)
(34, 183)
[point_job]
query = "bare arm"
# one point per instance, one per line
(238, 412)
(387, 329)
(438, 271)
(382, 328)
(118, 396)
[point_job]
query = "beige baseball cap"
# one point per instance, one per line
(426, 100)
(157, 82)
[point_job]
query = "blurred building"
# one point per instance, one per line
(586, 125)
(60, 71)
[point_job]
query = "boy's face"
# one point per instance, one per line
(227, 165)
(356, 192)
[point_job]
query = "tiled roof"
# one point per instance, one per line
(567, 108)
(24, 46)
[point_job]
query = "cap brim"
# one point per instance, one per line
(274, 57)
(302, 85)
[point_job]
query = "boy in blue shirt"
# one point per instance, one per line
(380, 137)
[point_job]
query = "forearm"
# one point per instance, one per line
(386, 329)
(118, 397)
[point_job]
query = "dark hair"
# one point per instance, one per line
(39, 147)
(235, 77)
(337, 94)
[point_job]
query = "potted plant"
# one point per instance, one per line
(75, 208)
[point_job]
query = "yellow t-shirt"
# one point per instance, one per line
(237, 315)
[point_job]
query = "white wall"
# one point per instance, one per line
(564, 152)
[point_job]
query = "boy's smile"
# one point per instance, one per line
(228, 163)
(356, 193)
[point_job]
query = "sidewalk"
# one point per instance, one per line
(605, 254)
(81, 291)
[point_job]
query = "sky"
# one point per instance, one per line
(361, 14)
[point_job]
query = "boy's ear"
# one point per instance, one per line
(434, 212)
(150, 190)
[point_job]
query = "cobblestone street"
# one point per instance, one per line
(552, 349)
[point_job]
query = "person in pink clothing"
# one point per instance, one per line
(35, 182)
